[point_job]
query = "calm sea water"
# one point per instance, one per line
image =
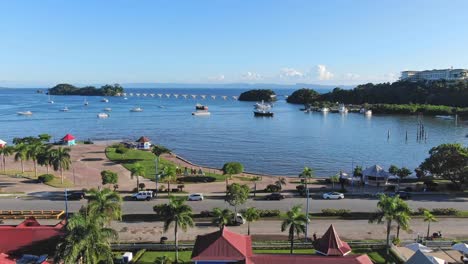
(281, 145)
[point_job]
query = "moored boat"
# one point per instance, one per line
(107, 109)
(103, 115)
(104, 100)
(201, 107)
(201, 113)
(263, 113)
(136, 109)
(65, 109)
(25, 113)
(368, 112)
(325, 110)
(342, 109)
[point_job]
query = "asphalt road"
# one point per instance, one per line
(145, 207)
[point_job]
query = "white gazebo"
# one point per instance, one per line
(375, 176)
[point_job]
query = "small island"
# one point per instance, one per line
(266, 95)
(303, 96)
(68, 89)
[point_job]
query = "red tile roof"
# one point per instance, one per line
(143, 139)
(308, 259)
(5, 259)
(330, 244)
(222, 245)
(29, 232)
(68, 137)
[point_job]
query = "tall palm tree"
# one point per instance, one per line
(33, 151)
(221, 218)
(137, 170)
(105, 202)
(306, 174)
(251, 215)
(334, 179)
(87, 241)
(391, 209)
(158, 151)
(61, 160)
(295, 222)
(280, 182)
(429, 217)
(44, 158)
(21, 154)
(5, 152)
(178, 214)
(169, 176)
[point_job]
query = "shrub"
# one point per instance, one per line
(445, 211)
(142, 186)
(197, 179)
(420, 211)
(396, 241)
(265, 212)
(336, 212)
(109, 177)
(272, 188)
(206, 213)
(46, 177)
(121, 149)
(233, 168)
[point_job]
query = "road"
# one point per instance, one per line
(145, 207)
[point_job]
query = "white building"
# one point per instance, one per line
(434, 75)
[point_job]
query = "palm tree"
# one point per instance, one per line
(221, 218)
(163, 260)
(158, 151)
(87, 241)
(44, 158)
(296, 222)
(33, 151)
(334, 179)
(176, 213)
(391, 209)
(5, 152)
(169, 175)
(105, 202)
(61, 160)
(137, 170)
(306, 174)
(251, 215)
(280, 182)
(429, 217)
(21, 154)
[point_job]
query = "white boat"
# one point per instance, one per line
(25, 113)
(342, 109)
(262, 106)
(50, 100)
(86, 102)
(104, 100)
(107, 109)
(368, 112)
(125, 98)
(136, 109)
(103, 115)
(65, 109)
(201, 107)
(446, 117)
(325, 110)
(362, 110)
(201, 113)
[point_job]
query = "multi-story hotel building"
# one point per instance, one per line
(434, 75)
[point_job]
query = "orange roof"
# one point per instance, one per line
(68, 137)
(143, 139)
(330, 244)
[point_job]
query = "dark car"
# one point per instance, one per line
(274, 196)
(403, 195)
(76, 195)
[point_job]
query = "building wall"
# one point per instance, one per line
(434, 75)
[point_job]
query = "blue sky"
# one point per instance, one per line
(224, 41)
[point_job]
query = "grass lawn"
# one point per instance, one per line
(146, 158)
(284, 251)
(150, 256)
(30, 175)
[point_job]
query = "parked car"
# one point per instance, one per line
(333, 195)
(195, 197)
(237, 220)
(274, 196)
(143, 195)
(403, 195)
(76, 195)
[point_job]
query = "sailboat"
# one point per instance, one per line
(86, 102)
(50, 101)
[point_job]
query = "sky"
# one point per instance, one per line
(227, 41)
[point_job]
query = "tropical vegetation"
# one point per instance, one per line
(266, 95)
(68, 89)
(294, 223)
(237, 194)
(222, 217)
(251, 215)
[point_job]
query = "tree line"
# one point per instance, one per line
(69, 89)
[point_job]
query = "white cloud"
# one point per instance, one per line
(323, 73)
(251, 76)
(220, 77)
(290, 73)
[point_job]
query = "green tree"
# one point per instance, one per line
(109, 177)
(393, 170)
(251, 215)
(44, 158)
(448, 161)
(21, 154)
(178, 214)
(222, 218)
(306, 174)
(169, 176)
(391, 209)
(237, 195)
(231, 168)
(61, 160)
(136, 171)
(5, 152)
(158, 151)
(33, 151)
(44, 137)
(403, 172)
(86, 240)
(334, 179)
(280, 182)
(105, 203)
(429, 217)
(295, 222)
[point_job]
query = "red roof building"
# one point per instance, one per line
(29, 235)
(69, 140)
(225, 246)
(330, 244)
(143, 143)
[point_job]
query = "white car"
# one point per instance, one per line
(143, 195)
(333, 195)
(195, 197)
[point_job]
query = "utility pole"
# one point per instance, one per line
(307, 213)
(156, 176)
(66, 204)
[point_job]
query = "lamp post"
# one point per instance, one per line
(156, 176)
(307, 213)
(66, 204)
